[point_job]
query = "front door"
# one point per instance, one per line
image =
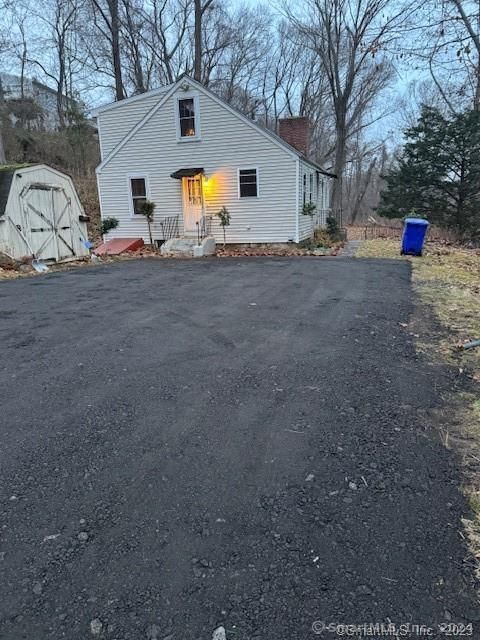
(192, 203)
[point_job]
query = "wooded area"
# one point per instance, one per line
(361, 70)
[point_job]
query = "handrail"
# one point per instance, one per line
(203, 228)
(169, 226)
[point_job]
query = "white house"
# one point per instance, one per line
(191, 153)
(14, 88)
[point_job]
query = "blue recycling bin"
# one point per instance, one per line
(414, 232)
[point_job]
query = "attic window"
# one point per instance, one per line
(186, 118)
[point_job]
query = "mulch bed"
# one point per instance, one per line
(236, 251)
(274, 250)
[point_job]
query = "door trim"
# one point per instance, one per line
(189, 209)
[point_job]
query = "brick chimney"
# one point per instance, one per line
(296, 131)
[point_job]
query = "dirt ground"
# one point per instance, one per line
(230, 251)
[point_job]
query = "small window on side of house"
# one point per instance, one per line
(186, 117)
(138, 189)
(310, 194)
(304, 189)
(247, 183)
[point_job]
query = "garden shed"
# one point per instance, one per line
(40, 214)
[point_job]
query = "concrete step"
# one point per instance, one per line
(188, 247)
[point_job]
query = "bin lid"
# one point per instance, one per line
(421, 221)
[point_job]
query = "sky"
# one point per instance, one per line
(393, 103)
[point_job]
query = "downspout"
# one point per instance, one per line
(297, 199)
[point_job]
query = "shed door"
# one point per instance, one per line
(47, 211)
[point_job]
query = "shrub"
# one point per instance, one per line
(224, 219)
(308, 209)
(333, 228)
(147, 209)
(322, 238)
(108, 224)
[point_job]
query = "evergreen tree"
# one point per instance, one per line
(438, 172)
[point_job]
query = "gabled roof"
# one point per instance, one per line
(7, 171)
(165, 92)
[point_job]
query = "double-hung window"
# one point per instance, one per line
(310, 194)
(138, 192)
(187, 118)
(247, 183)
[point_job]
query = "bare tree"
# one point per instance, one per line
(446, 37)
(59, 19)
(3, 158)
(134, 38)
(348, 36)
(200, 7)
(166, 31)
(106, 18)
(471, 22)
(4, 46)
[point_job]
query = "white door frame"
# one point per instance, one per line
(192, 211)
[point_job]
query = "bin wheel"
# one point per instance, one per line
(402, 252)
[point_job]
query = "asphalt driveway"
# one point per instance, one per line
(238, 442)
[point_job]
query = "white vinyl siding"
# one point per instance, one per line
(305, 223)
(113, 125)
(227, 144)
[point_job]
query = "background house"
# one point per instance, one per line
(14, 89)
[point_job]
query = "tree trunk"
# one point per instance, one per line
(150, 232)
(361, 191)
(3, 159)
(116, 59)
(197, 65)
(61, 83)
(476, 100)
(339, 166)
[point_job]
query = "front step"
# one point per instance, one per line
(188, 247)
(178, 247)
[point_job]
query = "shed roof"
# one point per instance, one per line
(7, 171)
